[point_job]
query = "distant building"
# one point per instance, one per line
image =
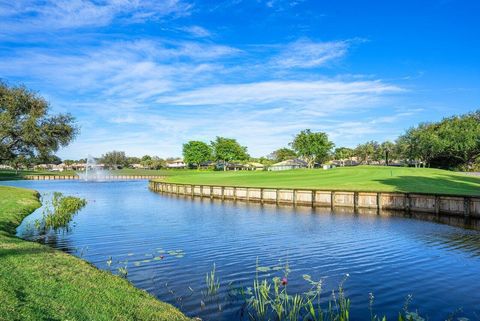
(50, 167)
(254, 166)
(230, 166)
(176, 163)
(288, 164)
(352, 161)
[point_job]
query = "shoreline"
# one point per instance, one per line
(466, 206)
(62, 280)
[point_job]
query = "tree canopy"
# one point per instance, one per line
(343, 153)
(196, 152)
(26, 127)
(114, 159)
(312, 147)
(282, 154)
(228, 149)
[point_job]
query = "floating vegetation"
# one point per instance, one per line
(59, 212)
(268, 299)
(176, 253)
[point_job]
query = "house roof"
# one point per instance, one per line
(255, 164)
(292, 162)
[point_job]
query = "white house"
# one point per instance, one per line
(176, 163)
(288, 164)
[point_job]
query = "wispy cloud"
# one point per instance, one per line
(31, 15)
(308, 54)
(277, 91)
(149, 94)
(197, 31)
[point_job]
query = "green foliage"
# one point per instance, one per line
(452, 142)
(343, 153)
(196, 152)
(212, 282)
(26, 128)
(60, 211)
(367, 152)
(228, 149)
(313, 147)
(40, 283)
(282, 154)
(153, 162)
(114, 159)
(269, 299)
(388, 150)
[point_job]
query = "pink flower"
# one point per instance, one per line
(284, 281)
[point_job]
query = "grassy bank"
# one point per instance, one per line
(40, 283)
(360, 178)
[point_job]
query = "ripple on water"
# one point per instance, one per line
(388, 255)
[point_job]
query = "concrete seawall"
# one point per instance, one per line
(461, 206)
(75, 177)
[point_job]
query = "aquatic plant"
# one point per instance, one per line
(212, 282)
(269, 300)
(123, 271)
(59, 212)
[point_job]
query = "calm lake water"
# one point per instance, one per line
(393, 257)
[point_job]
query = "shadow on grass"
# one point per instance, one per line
(445, 184)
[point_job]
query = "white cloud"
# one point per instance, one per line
(197, 31)
(308, 54)
(278, 91)
(31, 15)
(136, 70)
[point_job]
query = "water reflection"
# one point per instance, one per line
(386, 253)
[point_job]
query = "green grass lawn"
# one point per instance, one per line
(360, 178)
(40, 283)
(12, 175)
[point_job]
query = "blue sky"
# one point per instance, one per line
(147, 76)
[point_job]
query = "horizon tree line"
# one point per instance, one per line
(30, 135)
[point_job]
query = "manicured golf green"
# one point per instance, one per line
(359, 178)
(40, 283)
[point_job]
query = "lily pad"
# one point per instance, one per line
(263, 268)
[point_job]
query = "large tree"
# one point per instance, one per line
(422, 144)
(282, 154)
(312, 147)
(388, 151)
(26, 127)
(114, 159)
(196, 152)
(368, 152)
(343, 153)
(227, 150)
(460, 137)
